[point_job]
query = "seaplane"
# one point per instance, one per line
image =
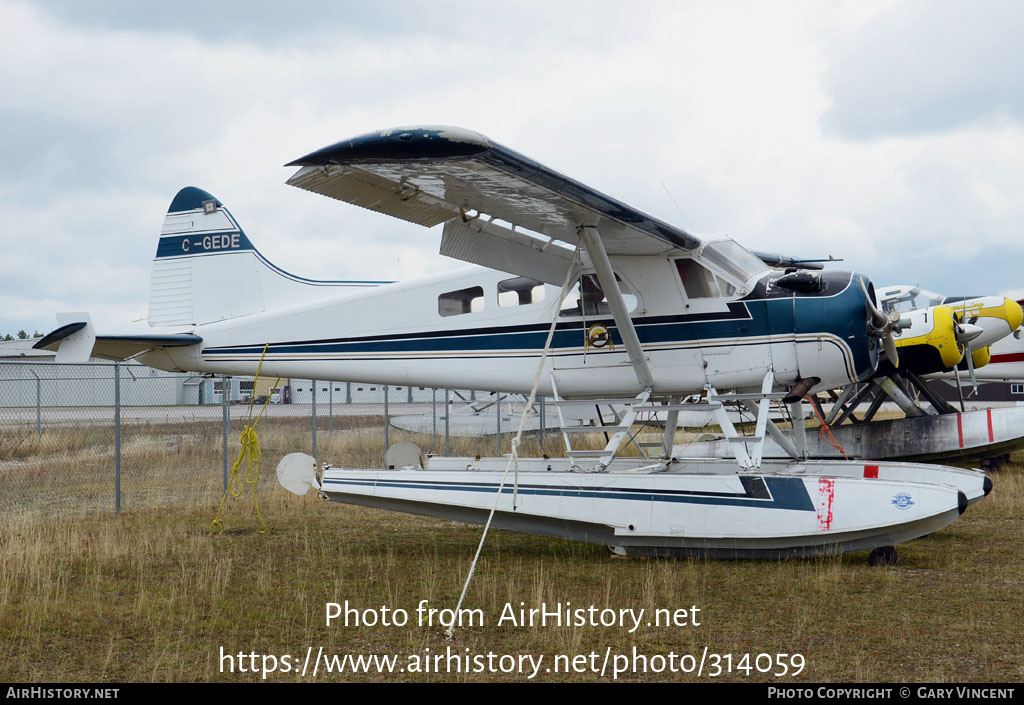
(571, 294)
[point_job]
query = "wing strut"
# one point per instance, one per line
(610, 287)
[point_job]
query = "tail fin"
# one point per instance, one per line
(207, 270)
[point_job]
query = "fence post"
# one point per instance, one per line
(225, 424)
(348, 392)
(447, 421)
(497, 405)
(387, 420)
(315, 462)
(330, 408)
(117, 438)
(433, 412)
(39, 405)
(541, 424)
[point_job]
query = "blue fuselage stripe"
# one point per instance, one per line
(785, 492)
(841, 315)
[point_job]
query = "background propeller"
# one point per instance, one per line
(884, 325)
(965, 333)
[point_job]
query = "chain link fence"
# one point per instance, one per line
(99, 437)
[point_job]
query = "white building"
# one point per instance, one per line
(33, 378)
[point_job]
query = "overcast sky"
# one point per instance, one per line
(887, 133)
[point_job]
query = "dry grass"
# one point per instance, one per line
(151, 596)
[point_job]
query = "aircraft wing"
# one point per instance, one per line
(432, 175)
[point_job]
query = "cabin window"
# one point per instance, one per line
(520, 291)
(455, 303)
(699, 282)
(907, 301)
(587, 298)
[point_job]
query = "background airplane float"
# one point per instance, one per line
(581, 297)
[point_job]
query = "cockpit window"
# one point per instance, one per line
(588, 299)
(699, 282)
(733, 259)
(911, 299)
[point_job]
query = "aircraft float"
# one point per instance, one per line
(576, 296)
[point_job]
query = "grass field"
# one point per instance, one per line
(150, 596)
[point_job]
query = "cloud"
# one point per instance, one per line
(928, 66)
(737, 108)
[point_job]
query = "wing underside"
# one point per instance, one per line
(483, 192)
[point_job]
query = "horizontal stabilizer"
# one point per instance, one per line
(72, 340)
(51, 341)
(76, 341)
(122, 347)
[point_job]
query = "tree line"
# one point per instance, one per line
(22, 335)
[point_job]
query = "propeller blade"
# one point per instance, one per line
(880, 319)
(970, 368)
(884, 325)
(959, 389)
(890, 351)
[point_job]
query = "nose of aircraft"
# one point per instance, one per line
(997, 321)
(1014, 313)
(967, 332)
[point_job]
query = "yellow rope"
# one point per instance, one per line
(250, 452)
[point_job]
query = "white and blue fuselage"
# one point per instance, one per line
(479, 328)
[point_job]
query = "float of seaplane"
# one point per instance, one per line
(573, 295)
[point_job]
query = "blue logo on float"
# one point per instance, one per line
(903, 500)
